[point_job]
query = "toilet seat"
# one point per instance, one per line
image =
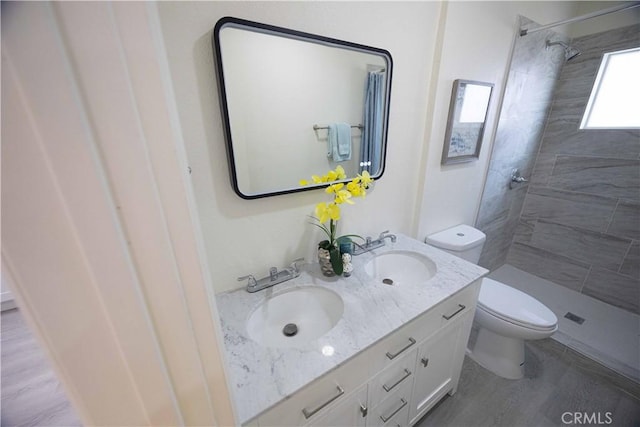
(514, 306)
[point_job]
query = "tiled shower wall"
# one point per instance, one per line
(580, 221)
(528, 94)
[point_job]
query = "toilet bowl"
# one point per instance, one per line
(505, 317)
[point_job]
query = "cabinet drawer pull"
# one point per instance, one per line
(460, 308)
(364, 410)
(385, 419)
(308, 414)
(394, 355)
(424, 361)
(406, 375)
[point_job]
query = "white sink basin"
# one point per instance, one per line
(400, 267)
(313, 310)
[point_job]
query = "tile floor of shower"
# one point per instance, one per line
(608, 335)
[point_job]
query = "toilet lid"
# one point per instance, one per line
(514, 306)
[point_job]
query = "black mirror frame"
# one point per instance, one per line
(215, 40)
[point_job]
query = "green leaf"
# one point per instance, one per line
(336, 260)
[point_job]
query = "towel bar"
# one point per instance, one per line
(316, 127)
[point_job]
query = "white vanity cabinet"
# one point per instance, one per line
(350, 412)
(437, 368)
(393, 382)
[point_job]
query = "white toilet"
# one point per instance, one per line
(505, 316)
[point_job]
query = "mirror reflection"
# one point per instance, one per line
(296, 104)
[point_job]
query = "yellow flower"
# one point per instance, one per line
(343, 196)
(334, 211)
(316, 179)
(303, 182)
(331, 176)
(325, 212)
(322, 212)
(334, 188)
(355, 189)
(340, 172)
(365, 179)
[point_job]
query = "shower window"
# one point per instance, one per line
(615, 98)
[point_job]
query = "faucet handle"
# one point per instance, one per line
(384, 233)
(294, 266)
(252, 280)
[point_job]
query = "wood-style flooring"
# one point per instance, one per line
(30, 393)
(560, 388)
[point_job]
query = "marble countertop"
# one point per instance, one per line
(260, 376)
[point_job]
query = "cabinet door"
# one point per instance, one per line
(434, 370)
(351, 412)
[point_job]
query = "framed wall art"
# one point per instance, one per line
(467, 118)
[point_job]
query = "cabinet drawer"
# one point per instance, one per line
(392, 378)
(318, 398)
(402, 341)
(393, 411)
(457, 305)
(351, 412)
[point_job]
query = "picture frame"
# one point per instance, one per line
(468, 110)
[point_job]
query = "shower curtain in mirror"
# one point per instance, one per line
(371, 150)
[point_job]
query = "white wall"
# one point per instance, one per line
(476, 45)
(432, 44)
(245, 237)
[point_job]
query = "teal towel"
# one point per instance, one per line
(339, 141)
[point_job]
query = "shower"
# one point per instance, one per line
(556, 229)
(569, 52)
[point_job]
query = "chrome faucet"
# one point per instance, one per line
(274, 277)
(370, 244)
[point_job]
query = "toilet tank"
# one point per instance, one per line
(462, 241)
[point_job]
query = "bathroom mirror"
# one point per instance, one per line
(281, 94)
(467, 117)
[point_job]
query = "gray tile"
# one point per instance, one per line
(546, 361)
(556, 268)
(601, 176)
(590, 247)
(565, 207)
(619, 143)
(518, 195)
(542, 169)
(631, 264)
(557, 380)
(626, 220)
(586, 366)
(567, 113)
(495, 248)
(493, 209)
(573, 88)
(499, 238)
(524, 231)
(620, 373)
(531, 57)
(613, 288)
(579, 393)
(627, 413)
